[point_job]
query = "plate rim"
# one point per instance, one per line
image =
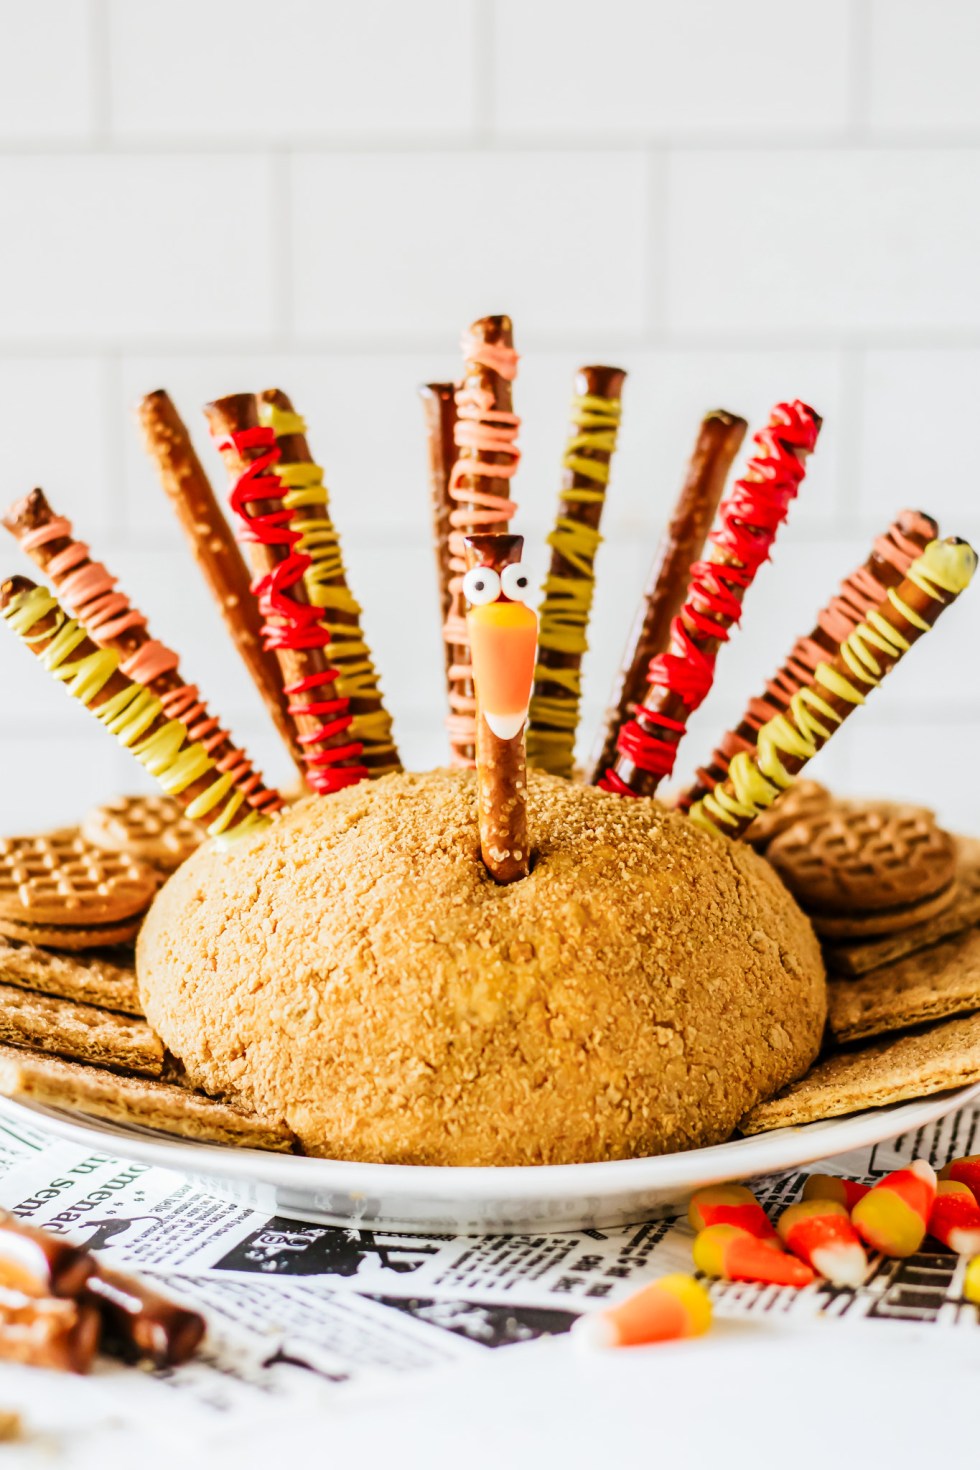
(770, 1153)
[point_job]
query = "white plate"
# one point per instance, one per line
(443, 1200)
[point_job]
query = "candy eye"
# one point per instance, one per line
(516, 583)
(481, 585)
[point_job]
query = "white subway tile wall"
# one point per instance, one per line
(738, 203)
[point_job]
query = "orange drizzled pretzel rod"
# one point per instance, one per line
(439, 408)
(719, 440)
(90, 592)
(486, 461)
(291, 625)
(749, 517)
(825, 699)
(326, 583)
(568, 588)
(214, 549)
(503, 638)
(892, 555)
(127, 708)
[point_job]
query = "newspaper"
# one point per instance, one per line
(300, 1310)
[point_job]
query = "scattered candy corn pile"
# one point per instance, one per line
(825, 1234)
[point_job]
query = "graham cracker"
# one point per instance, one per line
(83, 1032)
(858, 958)
(93, 980)
(941, 981)
(158, 1105)
(944, 1056)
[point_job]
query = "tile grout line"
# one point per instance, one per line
(860, 29)
(101, 59)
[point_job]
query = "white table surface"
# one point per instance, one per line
(748, 1394)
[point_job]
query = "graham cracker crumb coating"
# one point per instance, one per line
(355, 971)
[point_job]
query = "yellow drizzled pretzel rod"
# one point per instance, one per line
(570, 583)
(326, 583)
(127, 709)
(785, 743)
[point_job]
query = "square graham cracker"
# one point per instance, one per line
(84, 1033)
(162, 1106)
(941, 981)
(944, 1056)
(92, 979)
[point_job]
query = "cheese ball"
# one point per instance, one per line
(353, 970)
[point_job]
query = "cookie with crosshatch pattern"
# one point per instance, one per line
(58, 879)
(151, 829)
(852, 858)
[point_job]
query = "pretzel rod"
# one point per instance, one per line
(892, 555)
(140, 1322)
(291, 624)
(326, 583)
(91, 594)
(214, 549)
(486, 461)
(47, 1332)
(503, 636)
(570, 583)
(184, 769)
(439, 407)
(680, 679)
(820, 704)
(719, 440)
(38, 1263)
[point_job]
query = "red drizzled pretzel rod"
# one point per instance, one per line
(214, 549)
(487, 459)
(291, 624)
(719, 440)
(326, 583)
(680, 679)
(92, 595)
(439, 407)
(503, 641)
(892, 555)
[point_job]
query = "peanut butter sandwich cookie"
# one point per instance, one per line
(866, 869)
(57, 888)
(151, 829)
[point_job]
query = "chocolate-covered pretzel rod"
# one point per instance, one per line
(326, 583)
(892, 555)
(486, 461)
(128, 709)
(140, 1323)
(214, 549)
(291, 624)
(719, 440)
(439, 407)
(568, 588)
(47, 1332)
(38, 1263)
(749, 517)
(91, 595)
(822, 702)
(503, 636)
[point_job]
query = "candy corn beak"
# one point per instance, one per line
(503, 646)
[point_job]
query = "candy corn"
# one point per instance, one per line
(971, 1281)
(964, 1171)
(734, 1255)
(846, 1192)
(673, 1307)
(954, 1219)
(892, 1217)
(820, 1232)
(731, 1204)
